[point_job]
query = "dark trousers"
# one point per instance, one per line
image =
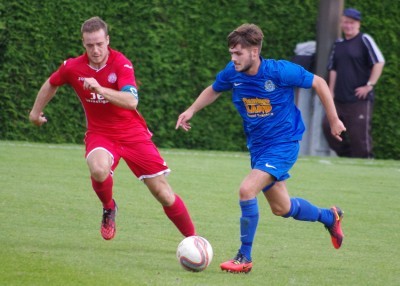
(357, 140)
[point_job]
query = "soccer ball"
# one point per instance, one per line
(194, 253)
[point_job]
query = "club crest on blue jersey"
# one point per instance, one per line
(269, 86)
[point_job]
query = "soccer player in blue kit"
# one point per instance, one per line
(263, 94)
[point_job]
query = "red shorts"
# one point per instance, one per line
(142, 158)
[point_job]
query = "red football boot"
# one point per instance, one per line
(108, 223)
(239, 264)
(335, 230)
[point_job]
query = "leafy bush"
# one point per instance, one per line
(177, 48)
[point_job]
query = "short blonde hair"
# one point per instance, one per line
(93, 25)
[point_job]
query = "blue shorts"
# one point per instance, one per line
(276, 159)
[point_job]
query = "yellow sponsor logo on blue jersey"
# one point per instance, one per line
(257, 107)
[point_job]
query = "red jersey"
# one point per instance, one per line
(102, 117)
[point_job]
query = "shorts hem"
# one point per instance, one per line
(163, 172)
(100, 148)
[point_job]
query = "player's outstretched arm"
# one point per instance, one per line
(206, 97)
(45, 94)
(322, 90)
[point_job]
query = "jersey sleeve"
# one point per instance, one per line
(222, 81)
(126, 73)
(59, 77)
(294, 75)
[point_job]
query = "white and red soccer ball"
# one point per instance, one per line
(194, 253)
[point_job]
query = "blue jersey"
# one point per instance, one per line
(265, 101)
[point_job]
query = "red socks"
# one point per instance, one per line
(104, 192)
(179, 215)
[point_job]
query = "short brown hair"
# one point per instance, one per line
(247, 35)
(94, 24)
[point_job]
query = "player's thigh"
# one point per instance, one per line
(253, 183)
(101, 156)
(99, 162)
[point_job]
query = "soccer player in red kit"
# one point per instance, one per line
(104, 81)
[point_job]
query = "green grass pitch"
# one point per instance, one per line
(50, 219)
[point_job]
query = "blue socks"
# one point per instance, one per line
(248, 225)
(300, 209)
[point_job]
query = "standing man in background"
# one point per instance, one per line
(355, 65)
(105, 83)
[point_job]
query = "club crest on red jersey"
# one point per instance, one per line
(112, 78)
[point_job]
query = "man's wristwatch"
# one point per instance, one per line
(370, 84)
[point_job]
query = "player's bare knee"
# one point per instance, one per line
(242, 194)
(99, 174)
(279, 210)
(246, 193)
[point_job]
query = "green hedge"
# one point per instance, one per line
(177, 47)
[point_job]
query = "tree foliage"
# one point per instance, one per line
(177, 47)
